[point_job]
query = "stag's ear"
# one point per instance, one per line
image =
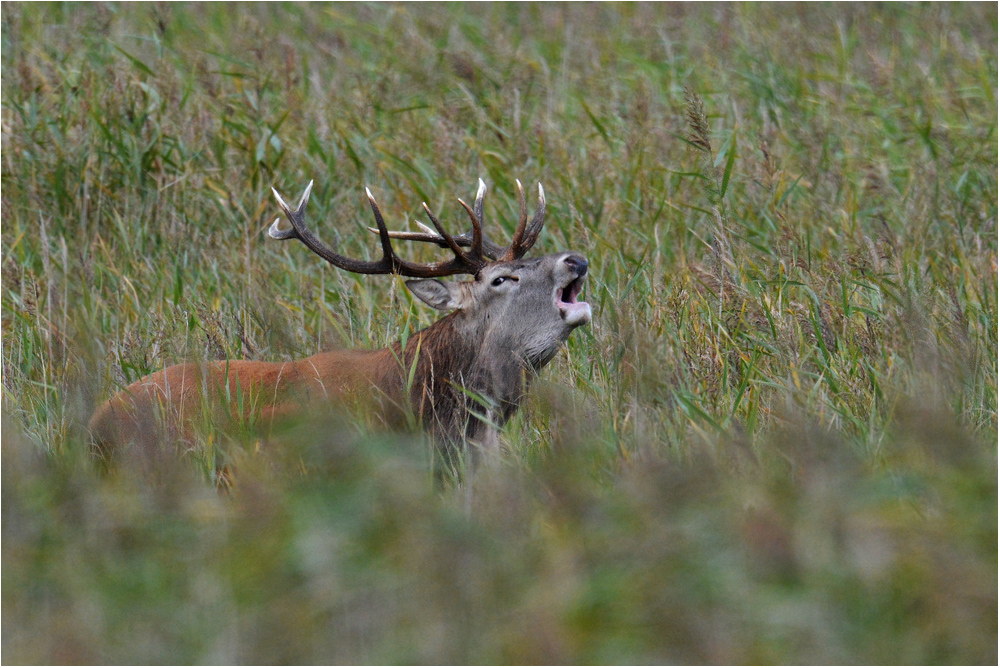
(437, 294)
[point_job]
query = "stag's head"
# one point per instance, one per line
(521, 306)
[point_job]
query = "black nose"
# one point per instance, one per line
(578, 263)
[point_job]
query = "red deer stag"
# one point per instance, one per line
(472, 366)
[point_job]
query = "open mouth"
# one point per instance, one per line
(574, 312)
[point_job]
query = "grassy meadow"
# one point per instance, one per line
(776, 443)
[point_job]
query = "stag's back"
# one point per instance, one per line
(167, 405)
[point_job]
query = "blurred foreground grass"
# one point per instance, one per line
(776, 443)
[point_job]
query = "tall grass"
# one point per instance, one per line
(775, 443)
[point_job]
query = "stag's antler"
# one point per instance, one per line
(524, 236)
(462, 263)
(481, 248)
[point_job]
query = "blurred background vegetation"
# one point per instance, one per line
(777, 443)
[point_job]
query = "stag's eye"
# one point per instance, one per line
(500, 279)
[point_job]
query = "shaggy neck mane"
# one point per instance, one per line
(456, 379)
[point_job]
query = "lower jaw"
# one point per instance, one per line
(577, 314)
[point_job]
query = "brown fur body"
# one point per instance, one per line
(450, 373)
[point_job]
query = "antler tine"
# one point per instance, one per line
(274, 232)
(444, 235)
(390, 263)
(535, 227)
(522, 220)
(383, 233)
(477, 229)
(428, 235)
(480, 199)
(464, 240)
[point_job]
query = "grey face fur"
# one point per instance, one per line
(524, 307)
